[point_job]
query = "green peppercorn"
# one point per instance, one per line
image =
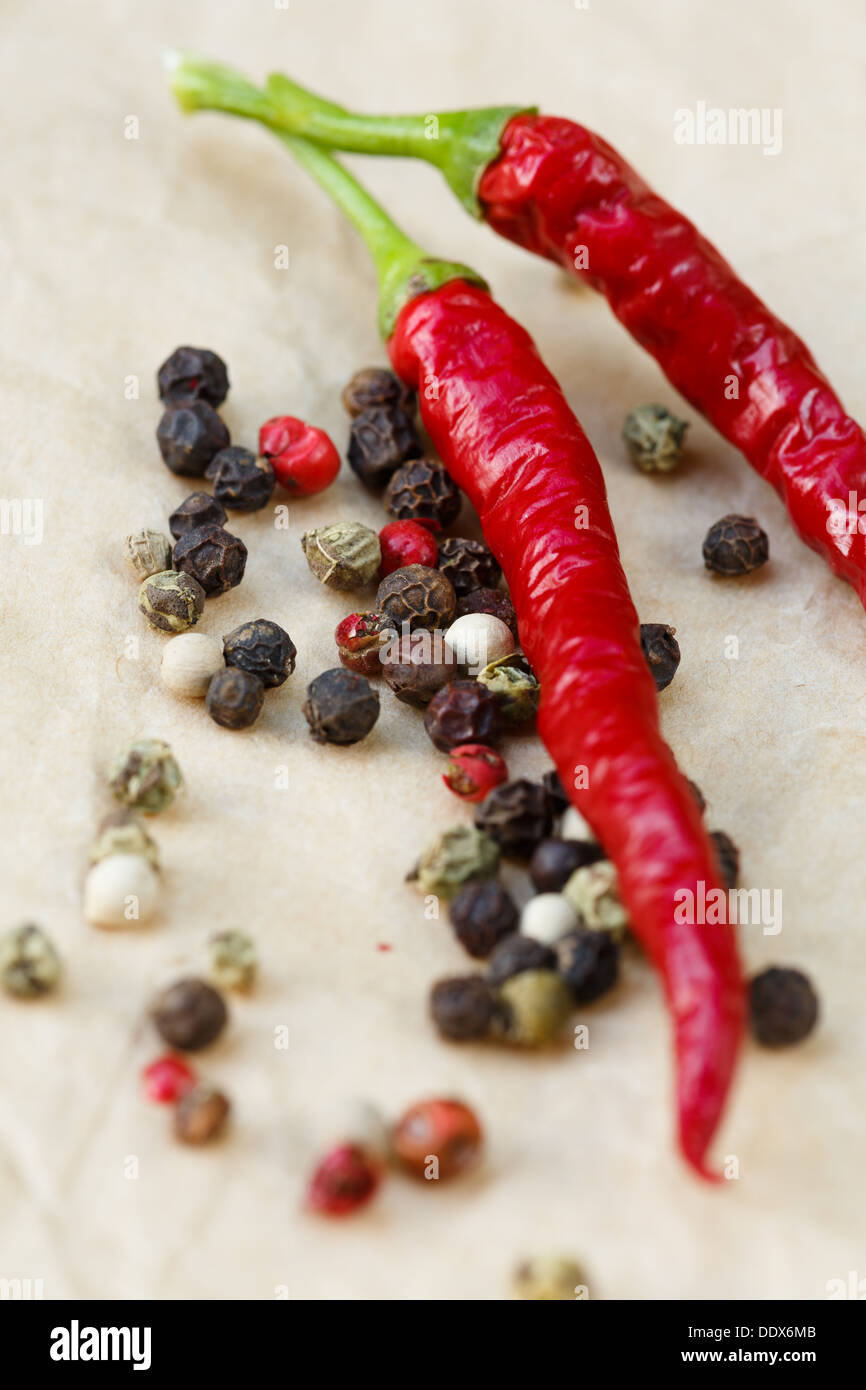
(147, 553)
(534, 1007)
(234, 961)
(341, 706)
(462, 1007)
(654, 438)
(593, 892)
(514, 687)
(549, 1279)
(460, 855)
(234, 698)
(171, 601)
(345, 555)
(121, 832)
(29, 964)
(145, 776)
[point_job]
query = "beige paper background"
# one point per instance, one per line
(114, 251)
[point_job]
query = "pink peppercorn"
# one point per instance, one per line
(167, 1079)
(303, 458)
(346, 1179)
(473, 771)
(406, 543)
(359, 640)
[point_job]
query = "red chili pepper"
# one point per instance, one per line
(556, 188)
(508, 437)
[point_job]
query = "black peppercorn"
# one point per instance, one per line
(423, 491)
(376, 386)
(661, 651)
(552, 784)
(736, 545)
(492, 601)
(234, 698)
(481, 915)
(411, 672)
(199, 509)
(783, 1006)
(588, 962)
(698, 795)
(263, 648)
(462, 712)
(468, 564)
(554, 861)
(212, 556)
(728, 856)
(188, 437)
(380, 439)
(516, 815)
(417, 595)
(462, 1008)
(200, 1115)
(341, 706)
(189, 1014)
(517, 953)
(193, 374)
(241, 482)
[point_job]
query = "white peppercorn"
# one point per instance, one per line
(189, 663)
(147, 553)
(121, 890)
(574, 827)
(29, 964)
(477, 639)
(547, 917)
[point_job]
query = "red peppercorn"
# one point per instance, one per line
(345, 1180)
(303, 458)
(406, 543)
(167, 1079)
(437, 1138)
(473, 771)
(359, 640)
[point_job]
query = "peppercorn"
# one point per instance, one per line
(29, 964)
(121, 890)
(556, 791)
(304, 459)
(468, 564)
(376, 386)
(234, 698)
(417, 595)
(411, 672)
(189, 1014)
(167, 1079)
(547, 917)
(199, 509)
(380, 439)
(460, 855)
(193, 374)
(214, 557)
(121, 832)
(479, 639)
(698, 795)
(473, 771)
(593, 892)
(360, 639)
(728, 856)
(661, 651)
(462, 712)
(346, 1179)
(736, 545)
(517, 953)
(145, 776)
(554, 861)
(234, 961)
(518, 815)
(264, 649)
(588, 962)
(492, 601)
(171, 601)
(201, 1114)
(533, 1007)
(406, 543)
(574, 827)
(188, 437)
(481, 915)
(346, 555)
(147, 553)
(783, 1006)
(241, 481)
(189, 663)
(423, 490)
(654, 438)
(462, 1008)
(514, 687)
(341, 707)
(437, 1139)
(549, 1279)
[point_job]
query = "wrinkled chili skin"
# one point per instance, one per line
(561, 191)
(505, 432)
